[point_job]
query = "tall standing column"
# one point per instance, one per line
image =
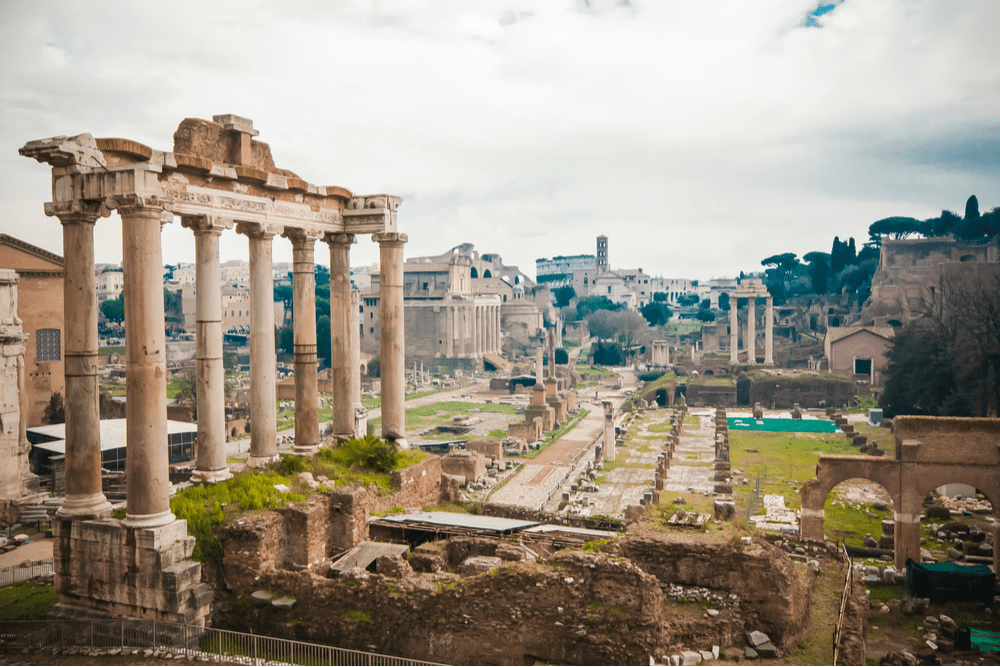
(147, 456)
(304, 339)
(211, 383)
(477, 330)
(392, 349)
(341, 310)
(449, 339)
(263, 362)
(734, 331)
(539, 366)
(84, 497)
(752, 330)
(769, 333)
(355, 354)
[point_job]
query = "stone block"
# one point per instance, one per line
(474, 565)
(283, 603)
(181, 576)
(690, 658)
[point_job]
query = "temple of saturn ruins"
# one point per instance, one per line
(218, 177)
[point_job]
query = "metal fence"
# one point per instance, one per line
(35, 568)
(848, 589)
(17, 637)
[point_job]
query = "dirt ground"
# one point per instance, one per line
(39, 549)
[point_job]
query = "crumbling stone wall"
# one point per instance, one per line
(854, 631)
(808, 392)
(582, 608)
(773, 593)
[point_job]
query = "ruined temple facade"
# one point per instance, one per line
(16, 479)
(216, 178)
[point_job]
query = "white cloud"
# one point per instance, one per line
(700, 137)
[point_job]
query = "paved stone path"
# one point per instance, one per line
(691, 469)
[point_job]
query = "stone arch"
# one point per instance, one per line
(708, 371)
(487, 274)
(833, 470)
(474, 273)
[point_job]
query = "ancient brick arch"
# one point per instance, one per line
(929, 452)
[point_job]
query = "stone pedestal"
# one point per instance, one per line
(211, 463)
(146, 466)
(392, 348)
(105, 569)
(609, 448)
(263, 362)
(84, 497)
(540, 408)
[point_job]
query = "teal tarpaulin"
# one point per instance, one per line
(949, 581)
(783, 425)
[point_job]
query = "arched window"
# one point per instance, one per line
(475, 274)
(487, 274)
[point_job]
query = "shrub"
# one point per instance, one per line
(291, 465)
(370, 452)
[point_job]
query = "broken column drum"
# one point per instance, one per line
(216, 177)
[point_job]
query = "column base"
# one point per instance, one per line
(401, 443)
(260, 461)
(94, 506)
(305, 450)
(211, 476)
(768, 362)
(148, 520)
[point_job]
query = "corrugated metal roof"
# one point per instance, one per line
(472, 521)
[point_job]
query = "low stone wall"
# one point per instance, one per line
(703, 394)
(582, 608)
(808, 392)
(774, 598)
(854, 631)
(304, 535)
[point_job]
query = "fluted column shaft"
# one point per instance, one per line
(263, 362)
(147, 455)
(211, 383)
(84, 497)
(304, 341)
(392, 347)
(449, 339)
(734, 331)
(341, 311)
(752, 330)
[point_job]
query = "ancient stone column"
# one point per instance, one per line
(392, 350)
(355, 352)
(552, 352)
(752, 330)
(769, 333)
(341, 308)
(304, 338)
(263, 362)
(449, 339)
(84, 497)
(539, 365)
(147, 456)
(211, 382)
(734, 331)
(609, 431)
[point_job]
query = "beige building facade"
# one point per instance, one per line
(40, 295)
(858, 351)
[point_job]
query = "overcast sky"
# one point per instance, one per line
(700, 137)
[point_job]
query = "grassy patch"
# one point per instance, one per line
(497, 434)
(26, 601)
(358, 616)
(555, 434)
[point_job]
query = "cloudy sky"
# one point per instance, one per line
(699, 136)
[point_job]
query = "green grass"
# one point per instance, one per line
(358, 616)
(26, 601)
(108, 351)
(497, 434)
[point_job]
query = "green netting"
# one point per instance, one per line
(786, 425)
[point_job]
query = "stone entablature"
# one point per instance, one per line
(751, 290)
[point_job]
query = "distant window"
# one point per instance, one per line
(425, 286)
(862, 366)
(47, 345)
(371, 315)
(372, 330)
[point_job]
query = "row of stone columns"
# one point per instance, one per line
(471, 331)
(146, 416)
(750, 337)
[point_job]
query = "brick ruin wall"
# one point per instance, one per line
(782, 393)
(576, 607)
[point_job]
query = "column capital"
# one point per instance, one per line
(135, 203)
(257, 230)
(355, 297)
(389, 238)
(340, 238)
(302, 235)
(206, 224)
(76, 211)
